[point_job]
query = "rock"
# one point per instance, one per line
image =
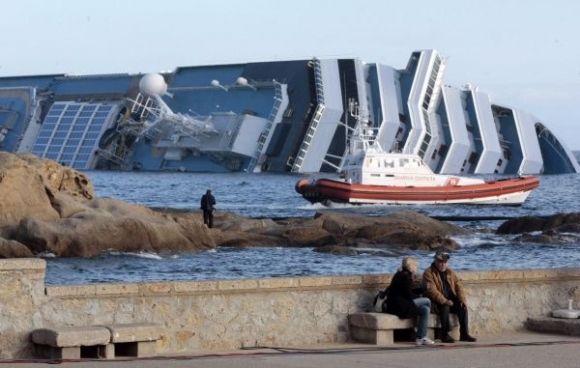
(378, 227)
(562, 222)
(404, 229)
(108, 224)
(337, 250)
(13, 249)
(547, 237)
(570, 228)
(60, 179)
(562, 228)
(23, 191)
(227, 221)
(49, 208)
(247, 239)
(419, 241)
(310, 237)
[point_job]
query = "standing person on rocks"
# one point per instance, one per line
(405, 302)
(207, 206)
(448, 296)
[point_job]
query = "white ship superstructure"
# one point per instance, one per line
(278, 116)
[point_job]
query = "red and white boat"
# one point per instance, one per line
(371, 175)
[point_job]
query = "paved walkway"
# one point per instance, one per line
(525, 350)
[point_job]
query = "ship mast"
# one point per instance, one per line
(363, 138)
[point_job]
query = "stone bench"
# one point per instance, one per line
(73, 342)
(135, 339)
(108, 342)
(378, 328)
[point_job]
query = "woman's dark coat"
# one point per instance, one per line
(400, 296)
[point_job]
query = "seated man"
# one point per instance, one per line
(447, 296)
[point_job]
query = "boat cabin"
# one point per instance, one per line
(382, 168)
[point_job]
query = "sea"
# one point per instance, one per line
(268, 195)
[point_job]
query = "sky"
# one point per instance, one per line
(524, 54)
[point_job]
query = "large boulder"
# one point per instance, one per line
(109, 224)
(404, 229)
(561, 222)
(26, 188)
(408, 228)
(14, 249)
(49, 208)
(329, 230)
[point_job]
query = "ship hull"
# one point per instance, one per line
(512, 191)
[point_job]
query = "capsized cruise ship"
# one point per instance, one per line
(274, 116)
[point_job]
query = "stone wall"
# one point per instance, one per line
(231, 314)
(21, 295)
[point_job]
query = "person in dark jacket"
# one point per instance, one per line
(207, 206)
(446, 292)
(404, 301)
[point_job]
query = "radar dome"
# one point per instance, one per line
(153, 84)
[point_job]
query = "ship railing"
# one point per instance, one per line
(271, 118)
(297, 166)
(109, 156)
(142, 105)
(255, 83)
(318, 81)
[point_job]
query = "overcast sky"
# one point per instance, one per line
(525, 54)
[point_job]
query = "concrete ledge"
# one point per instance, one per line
(22, 264)
(378, 328)
(116, 289)
(70, 290)
(560, 326)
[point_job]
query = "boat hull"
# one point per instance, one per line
(512, 191)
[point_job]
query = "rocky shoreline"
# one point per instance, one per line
(46, 208)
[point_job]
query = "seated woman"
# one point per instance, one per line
(403, 301)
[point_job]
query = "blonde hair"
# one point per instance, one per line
(408, 262)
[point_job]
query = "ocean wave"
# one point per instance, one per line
(142, 254)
